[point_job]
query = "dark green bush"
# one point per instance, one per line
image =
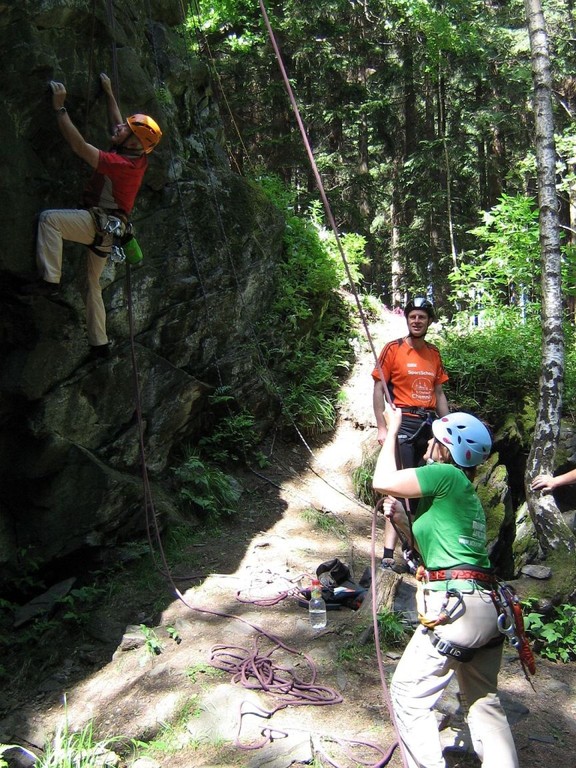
(306, 336)
(493, 370)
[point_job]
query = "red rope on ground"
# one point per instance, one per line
(256, 670)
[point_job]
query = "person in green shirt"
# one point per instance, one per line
(458, 633)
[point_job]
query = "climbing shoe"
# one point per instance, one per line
(40, 288)
(100, 352)
(389, 564)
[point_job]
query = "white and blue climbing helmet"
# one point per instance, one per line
(467, 439)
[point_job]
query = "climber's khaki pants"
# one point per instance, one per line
(54, 227)
(423, 674)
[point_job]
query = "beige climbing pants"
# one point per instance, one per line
(55, 226)
(423, 673)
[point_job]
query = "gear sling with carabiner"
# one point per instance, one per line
(511, 624)
(114, 237)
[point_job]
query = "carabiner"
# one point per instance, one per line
(445, 615)
(507, 626)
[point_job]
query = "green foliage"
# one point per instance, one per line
(174, 634)
(362, 478)
(507, 269)
(494, 368)
(27, 575)
(204, 488)
(69, 749)
(313, 413)
(151, 640)
(203, 672)
(354, 652)
(554, 639)
(233, 435)
(307, 334)
(462, 71)
(79, 601)
(392, 628)
(371, 306)
(324, 521)
(353, 247)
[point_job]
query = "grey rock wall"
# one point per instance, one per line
(70, 463)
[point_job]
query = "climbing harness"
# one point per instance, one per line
(453, 600)
(115, 238)
(459, 652)
(463, 573)
(422, 413)
(506, 601)
(447, 610)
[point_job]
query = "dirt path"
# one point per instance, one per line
(198, 716)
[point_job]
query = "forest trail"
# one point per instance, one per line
(197, 716)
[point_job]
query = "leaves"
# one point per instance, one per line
(555, 639)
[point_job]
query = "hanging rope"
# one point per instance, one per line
(320, 186)
(332, 222)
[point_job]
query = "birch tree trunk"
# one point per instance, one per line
(553, 534)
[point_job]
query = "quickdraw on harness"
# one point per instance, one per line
(444, 615)
(443, 646)
(114, 237)
(511, 624)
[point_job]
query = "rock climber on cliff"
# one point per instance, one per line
(108, 199)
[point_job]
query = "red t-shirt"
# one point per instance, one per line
(115, 182)
(411, 374)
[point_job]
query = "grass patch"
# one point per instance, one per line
(324, 521)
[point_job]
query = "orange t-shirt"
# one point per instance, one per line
(411, 374)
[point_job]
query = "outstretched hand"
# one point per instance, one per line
(58, 94)
(542, 483)
(106, 83)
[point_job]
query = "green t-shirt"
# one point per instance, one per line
(450, 524)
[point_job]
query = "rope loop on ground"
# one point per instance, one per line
(257, 669)
(267, 588)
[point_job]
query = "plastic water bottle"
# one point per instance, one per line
(317, 606)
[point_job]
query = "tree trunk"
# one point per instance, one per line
(387, 583)
(397, 297)
(442, 133)
(553, 534)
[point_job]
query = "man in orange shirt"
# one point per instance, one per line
(414, 375)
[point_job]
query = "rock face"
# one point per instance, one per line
(491, 482)
(182, 322)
